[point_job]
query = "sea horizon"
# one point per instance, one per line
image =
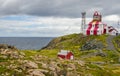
(26, 43)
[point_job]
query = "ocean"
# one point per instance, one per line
(26, 43)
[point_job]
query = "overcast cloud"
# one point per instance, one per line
(52, 17)
(60, 8)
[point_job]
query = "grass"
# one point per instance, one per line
(116, 42)
(95, 58)
(2, 69)
(3, 59)
(29, 52)
(49, 53)
(73, 43)
(100, 71)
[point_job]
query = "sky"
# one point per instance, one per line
(52, 18)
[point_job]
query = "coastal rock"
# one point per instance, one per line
(29, 65)
(53, 66)
(53, 73)
(71, 67)
(5, 46)
(12, 66)
(81, 63)
(44, 65)
(14, 55)
(11, 52)
(62, 72)
(69, 73)
(35, 72)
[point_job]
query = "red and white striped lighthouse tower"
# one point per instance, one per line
(96, 27)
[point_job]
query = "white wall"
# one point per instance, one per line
(113, 32)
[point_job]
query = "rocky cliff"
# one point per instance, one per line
(76, 41)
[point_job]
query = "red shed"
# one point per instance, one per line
(64, 54)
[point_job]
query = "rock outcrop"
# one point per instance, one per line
(91, 45)
(8, 51)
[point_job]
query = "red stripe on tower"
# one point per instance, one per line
(89, 27)
(96, 28)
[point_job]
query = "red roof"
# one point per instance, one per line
(111, 29)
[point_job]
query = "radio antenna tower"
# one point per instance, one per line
(118, 25)
(83, 21)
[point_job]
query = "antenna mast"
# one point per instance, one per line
(83, 21)
(118, 25)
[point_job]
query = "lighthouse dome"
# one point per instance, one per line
(96, 13)
(97, 16)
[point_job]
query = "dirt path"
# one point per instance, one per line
(110, 45)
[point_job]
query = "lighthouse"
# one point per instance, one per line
(96, 26)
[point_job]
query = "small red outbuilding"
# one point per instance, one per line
(64, 54)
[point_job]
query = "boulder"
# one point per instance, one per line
(53, 73)
(81, 63)
(69, 73)
(12, 66)
(14, 55)
(71, 66)
(10, 51)
(29, 65)
(44, 65)
(62, 72)
(5, 46)
(35, 72)
(53, 66)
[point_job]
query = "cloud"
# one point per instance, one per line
(38, 26)
(58, 8)
(114, 18)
